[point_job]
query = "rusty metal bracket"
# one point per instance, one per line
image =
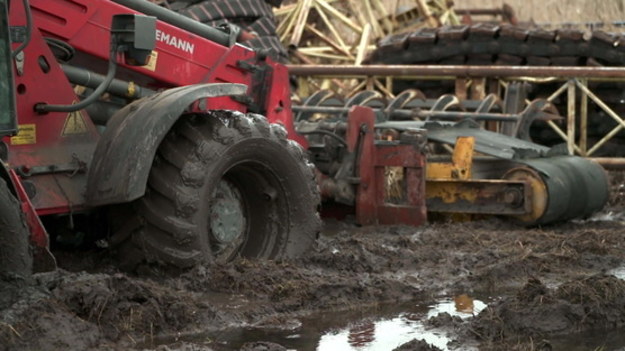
(460, 165)
(380, 199)
(77, 166)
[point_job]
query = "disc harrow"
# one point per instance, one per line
(412, 104)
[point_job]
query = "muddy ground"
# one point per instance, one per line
(549, 281)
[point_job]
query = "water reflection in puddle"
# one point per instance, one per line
(388, 333)
(383, 328)
(380, 335)
(605, 216)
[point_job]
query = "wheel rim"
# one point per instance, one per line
(540, 194)
(228, 223)
(246, 208)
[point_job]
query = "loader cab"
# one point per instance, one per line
(8, 123)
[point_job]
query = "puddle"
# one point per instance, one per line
(606, 216)
(381, 335)
(618, 272)
(383, 328)
(395, 329)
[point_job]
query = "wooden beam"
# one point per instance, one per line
(329, 24)
(300, 23)
(329, 41)
(339, 15)
(364, 43)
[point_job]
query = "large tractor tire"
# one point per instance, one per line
(508, 45)
(224, 185)
(15, 254)
(492, 44)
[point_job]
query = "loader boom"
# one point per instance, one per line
(64, 142)
(181, 57)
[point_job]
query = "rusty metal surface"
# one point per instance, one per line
(457, 71)
(123, 157)
(558, 187)
(477, 196)
(451, 188)
(375, 202)
(460, 165)
(455, 185)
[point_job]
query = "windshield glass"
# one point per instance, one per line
(7, 104)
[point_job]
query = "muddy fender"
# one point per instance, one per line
(123, 157)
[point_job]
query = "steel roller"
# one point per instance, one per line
(563, 188)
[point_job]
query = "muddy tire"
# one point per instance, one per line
(224, 185)
(15, 254)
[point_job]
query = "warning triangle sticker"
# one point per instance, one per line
(74, 124)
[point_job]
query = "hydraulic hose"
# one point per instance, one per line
(87, 78)
(110, 75)
(29, 29)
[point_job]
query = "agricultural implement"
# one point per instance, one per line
(169, 142)
(468, 169)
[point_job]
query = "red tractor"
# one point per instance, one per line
(165, 139)
(194, 162)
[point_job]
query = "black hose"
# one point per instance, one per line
(29, 29)
(110, 75)
(124, 89)
(61, 50)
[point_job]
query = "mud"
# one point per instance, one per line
(416, 345)
(544, 283)
(595, 303)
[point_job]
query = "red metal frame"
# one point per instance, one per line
(38, 234)
(46, 143)
(372, 203)
(85, 25)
